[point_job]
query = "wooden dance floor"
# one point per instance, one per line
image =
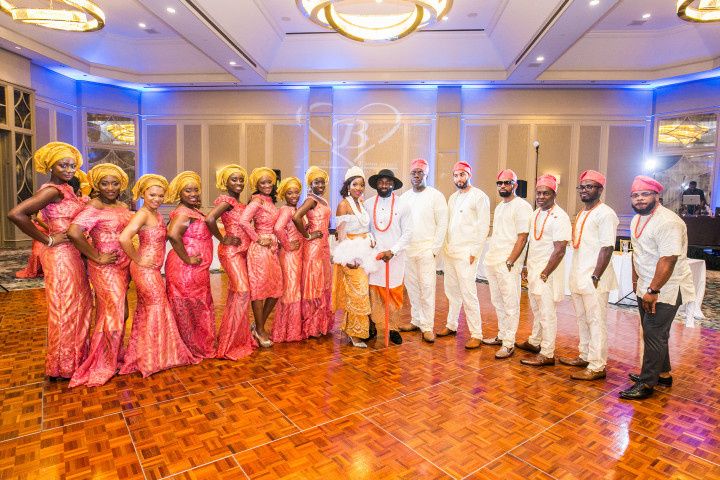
(323, 409)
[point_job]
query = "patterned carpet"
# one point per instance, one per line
(13, 260)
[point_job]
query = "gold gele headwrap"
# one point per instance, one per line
(101, 170)
(315, 172)
(48, 155)
(182, 180)
(287, 184)
(222, 175)
(85, 187)
(258, 173)
(146, 181)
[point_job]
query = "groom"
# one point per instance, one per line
(390, 224)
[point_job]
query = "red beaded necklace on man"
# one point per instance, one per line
(392, 209)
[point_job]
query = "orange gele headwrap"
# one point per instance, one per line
(85, 187)
(48, 155)
(548, 181)
(315, 172)
(146, 181)
(182, 180)
(287, 184)
(102, 170)
(258, 173)
(222, 175)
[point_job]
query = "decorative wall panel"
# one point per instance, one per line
(482, 143)
(224, 148)
(625, 161)
(161, 150)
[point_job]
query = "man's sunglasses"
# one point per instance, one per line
(500, 183)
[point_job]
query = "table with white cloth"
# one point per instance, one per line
(622, 264)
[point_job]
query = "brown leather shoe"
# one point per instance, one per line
(528, 347)
(538, 361)
(573, 362)
(428, 337)
(446, 332)
(473, 343)
(588, 374)
(408, 327)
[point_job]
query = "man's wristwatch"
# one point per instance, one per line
(652, 292)
(595, 278)
(509, 265)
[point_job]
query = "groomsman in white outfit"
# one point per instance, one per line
(429, 213)
(510, 231)
(592, 276)
(469, 209)
(550, 232)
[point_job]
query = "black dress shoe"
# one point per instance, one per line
(395, 337)
(372, 331)
(639, 391)
(663, 381)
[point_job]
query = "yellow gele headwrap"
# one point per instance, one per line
(85, 187)
(258, 173)
(53, 152)
(101, 170)
(146, 181)
(182, 180)
(287, 184)
(315, 172)
(222, 175)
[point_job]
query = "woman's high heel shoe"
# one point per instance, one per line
(263, 343)
(357, 343)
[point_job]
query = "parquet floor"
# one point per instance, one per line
(322, 409)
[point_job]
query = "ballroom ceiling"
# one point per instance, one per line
(201, 43)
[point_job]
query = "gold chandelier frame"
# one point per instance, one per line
(85, 16)
(374, 28)
(700, 11)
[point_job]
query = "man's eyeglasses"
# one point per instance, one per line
(500, 183)
(581, 188)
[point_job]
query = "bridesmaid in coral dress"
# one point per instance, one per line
(104, 218)
(234, 338)
(317, 269)
(187, 268)
(155, 342)
(264, 272)
(287, 326)
(69, 300)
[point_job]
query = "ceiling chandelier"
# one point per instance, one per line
(374, 20)
(699, 10)
(685, 134)
(74, 16)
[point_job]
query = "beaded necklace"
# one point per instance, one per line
(543, 225)
(582, 226)
(638, 234)
(392, 209)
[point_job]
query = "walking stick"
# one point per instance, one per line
(387, 304)
(387, 300)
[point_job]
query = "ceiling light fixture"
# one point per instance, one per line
(594, 3)
(79, 16)
(233, 62)
(142, 25)
(170, 10)
(373, 21)
(540, 58)
(702, 11)
(646, 16)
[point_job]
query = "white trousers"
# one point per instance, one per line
(420, 281)
(505, 297)
(461, 290)
(544, 328)
(591, 313)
